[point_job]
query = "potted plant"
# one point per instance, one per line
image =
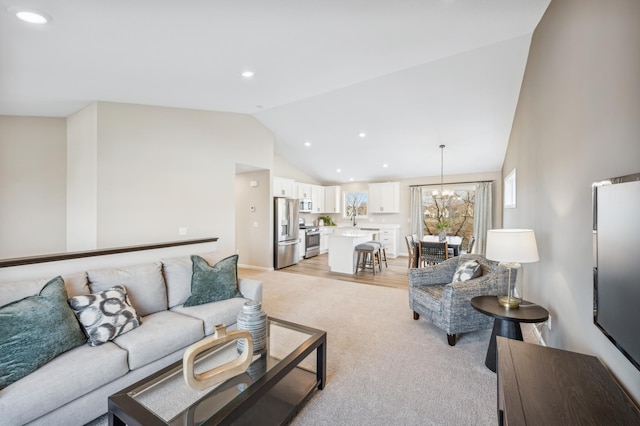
(443, 226)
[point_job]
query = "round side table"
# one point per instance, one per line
(507, 321)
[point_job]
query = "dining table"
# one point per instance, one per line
(453, 242)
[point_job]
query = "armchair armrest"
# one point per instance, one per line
(251, 289)
(442, 273)
(494, 283)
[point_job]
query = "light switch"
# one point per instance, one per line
(255, 224)
(182, 231)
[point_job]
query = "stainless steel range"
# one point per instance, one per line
(311, 238)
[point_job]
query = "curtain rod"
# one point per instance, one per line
(451, 183)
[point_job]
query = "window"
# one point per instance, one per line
(451, 212)
(355, 204)
(510, 190)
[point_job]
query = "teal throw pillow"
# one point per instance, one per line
(36, 329)
(213, 283)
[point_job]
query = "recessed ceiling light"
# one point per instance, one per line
(362, 135)
(385, 165)
(351, 179)
(338, 170)
(248, 74)
(30, 15)
(307, 143)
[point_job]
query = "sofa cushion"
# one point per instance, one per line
(75, 284)
(105, 315)
(145, 285)
(221, 312)
(177, 273)
(35, 330)
(467, 270)
(65, 378)
(160, 334)
(213, 283)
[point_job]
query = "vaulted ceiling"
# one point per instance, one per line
(409, 74)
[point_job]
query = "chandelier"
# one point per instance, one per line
(442, 193)
(443, 198)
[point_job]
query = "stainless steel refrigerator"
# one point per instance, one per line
(285, 251)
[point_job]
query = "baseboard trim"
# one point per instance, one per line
(259, 268)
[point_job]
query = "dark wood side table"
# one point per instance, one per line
(538, 385)
(507, 321)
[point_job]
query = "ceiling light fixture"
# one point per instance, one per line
(30, 16)
(338, 170)
(385, 165)
(307, 144)
(248, 74)
(362, 135)
(443, 198)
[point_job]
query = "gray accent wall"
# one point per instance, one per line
(577, 122)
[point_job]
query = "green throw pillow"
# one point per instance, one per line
(36, 329)
(213, 283)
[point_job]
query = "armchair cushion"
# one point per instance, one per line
(467, 270)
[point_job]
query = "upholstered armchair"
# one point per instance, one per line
(448, 305)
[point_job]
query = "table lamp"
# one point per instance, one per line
(511, 247)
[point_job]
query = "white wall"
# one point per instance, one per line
(82, 179)
(576, 123)
(32, 186)
(254, 212)
(160, 169)
(136, 174)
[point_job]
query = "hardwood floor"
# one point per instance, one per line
(395, 275)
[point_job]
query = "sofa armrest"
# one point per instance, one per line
(442, 273)
(250, 289)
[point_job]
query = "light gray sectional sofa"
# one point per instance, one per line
(73, 387)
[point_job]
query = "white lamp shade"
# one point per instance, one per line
(512, 245)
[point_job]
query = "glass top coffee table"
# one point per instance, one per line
(272, 390)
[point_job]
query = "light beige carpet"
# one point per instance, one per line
(384, 368)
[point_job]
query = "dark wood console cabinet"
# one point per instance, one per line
(538, 385)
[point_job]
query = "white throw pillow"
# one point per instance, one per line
(467, 270)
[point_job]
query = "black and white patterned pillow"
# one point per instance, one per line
(105, 315)
(467, 270)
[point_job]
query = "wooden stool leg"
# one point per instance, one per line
(384, 257)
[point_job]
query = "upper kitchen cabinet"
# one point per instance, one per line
(283, 187)
(332, 199)
(384, 197)
(304, 191)
(317, 198)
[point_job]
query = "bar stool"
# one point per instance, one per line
(367, 254)
(382, 253)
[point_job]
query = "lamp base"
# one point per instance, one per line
(509, 302)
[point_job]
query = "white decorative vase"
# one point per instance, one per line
(254, 320)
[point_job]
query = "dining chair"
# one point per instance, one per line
(411, 249)
(432, 252)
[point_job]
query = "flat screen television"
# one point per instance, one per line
(616, 271)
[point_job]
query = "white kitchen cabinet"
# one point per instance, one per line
(384, 197)
(325, 233)
(389, 237)
(302, 244)
(283, 187)
(304, 191)
(317, 198)
(332, 199)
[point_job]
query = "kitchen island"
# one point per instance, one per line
(342, 253)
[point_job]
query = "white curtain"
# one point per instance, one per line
(482, 216)
(417, 212)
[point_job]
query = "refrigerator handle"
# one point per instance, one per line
(288, 243)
